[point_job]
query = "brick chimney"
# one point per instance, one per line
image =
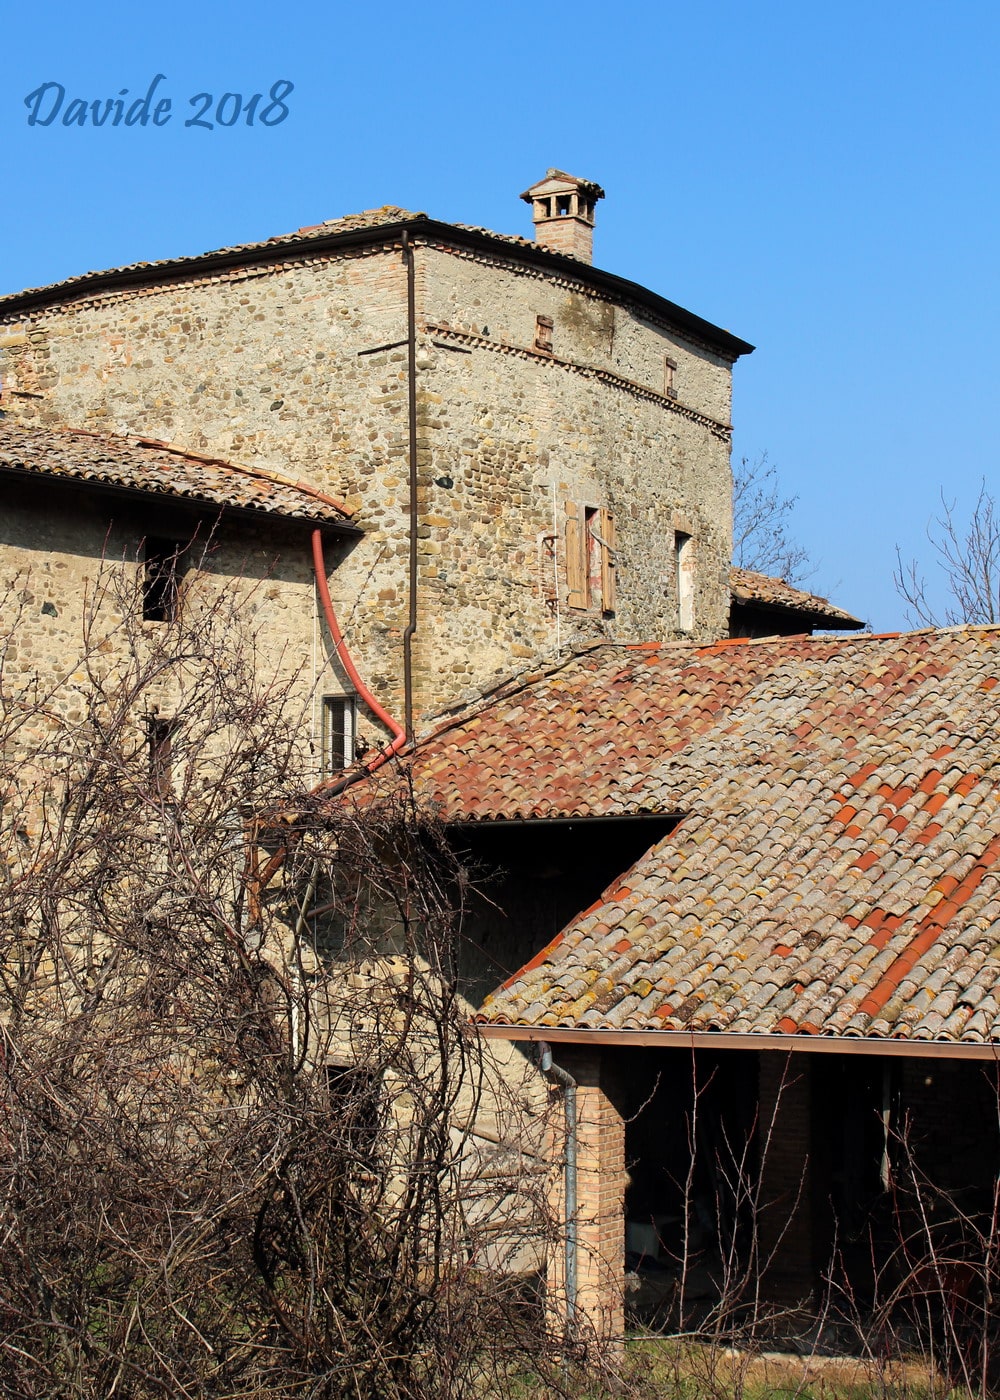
(563, 210)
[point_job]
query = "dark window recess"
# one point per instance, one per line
(356, 1103)
(684, 579)
(159, 588)
(338, 733)
(160, 737)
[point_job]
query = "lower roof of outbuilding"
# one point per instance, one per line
(141, 467)
(761, 593)
(836, 868)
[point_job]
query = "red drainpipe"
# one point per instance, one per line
(333, 786)
(397, 730)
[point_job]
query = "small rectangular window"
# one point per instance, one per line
(592, 554)
(356, 1104)
(543, 334)
(338, 733)
(159, 738)
(684, 562)
(159, 588)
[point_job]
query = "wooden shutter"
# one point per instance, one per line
(578, 592)
(609, 593)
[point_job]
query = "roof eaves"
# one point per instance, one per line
(296, 246)
(834, 618)
(188, 502)
(744, 1040)
(109, 477)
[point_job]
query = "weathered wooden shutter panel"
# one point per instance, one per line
(609, 593)
(578, 593)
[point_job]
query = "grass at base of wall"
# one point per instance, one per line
(669, 1368)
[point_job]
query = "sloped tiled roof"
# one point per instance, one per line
(369, 218)
(146, 465)
(837, 867)
(350, 223)
(751, 588)
(316, 240)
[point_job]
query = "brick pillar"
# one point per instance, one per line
(600, 1216)
(784, 1218)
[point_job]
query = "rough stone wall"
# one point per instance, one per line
(520, 431)
(261, 368)
(268, 366)
(69, 560)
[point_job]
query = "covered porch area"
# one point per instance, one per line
(791, 1187)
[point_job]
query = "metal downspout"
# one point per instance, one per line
(556, 1072)
(411, 357)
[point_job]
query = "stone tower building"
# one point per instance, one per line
(536, 451)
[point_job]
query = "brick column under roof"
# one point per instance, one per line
(600, 1204)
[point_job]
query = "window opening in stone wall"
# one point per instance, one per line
(338, 733)
(593, 554)
(684, 567)
(670, 377)
(591, 558)
(159, 742)
(159, 587)
(356, 1104)
(543, 334)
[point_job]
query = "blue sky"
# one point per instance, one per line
(819, 179)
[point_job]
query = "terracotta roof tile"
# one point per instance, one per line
(142, 464)
(837, 866)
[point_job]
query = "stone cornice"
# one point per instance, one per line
(722, 431)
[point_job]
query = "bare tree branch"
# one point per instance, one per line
(761, 541)
(245, 1150)
(967, 558)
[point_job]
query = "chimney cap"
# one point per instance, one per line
(559, 182)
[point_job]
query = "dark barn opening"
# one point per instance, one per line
(528, 879)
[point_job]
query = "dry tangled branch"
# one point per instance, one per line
(246, 1145)
(761, 539)
(968, 561)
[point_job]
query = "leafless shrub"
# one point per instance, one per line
(918, 1316)
(761, 539)
(235, 1159)
(936, 1286)
(968, 565)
